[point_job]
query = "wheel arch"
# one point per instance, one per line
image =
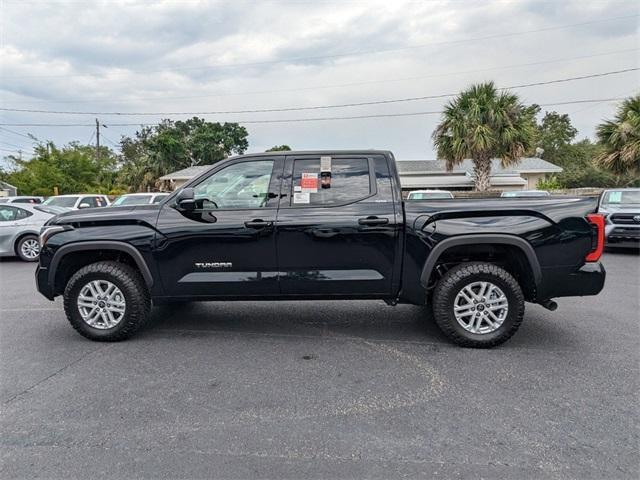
(100, 246)
(21, 235)
(513, 241)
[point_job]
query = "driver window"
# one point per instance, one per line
(241, 185)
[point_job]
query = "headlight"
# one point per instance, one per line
(48, 231)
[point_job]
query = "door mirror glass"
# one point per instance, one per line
(186, 199)
(84, 205)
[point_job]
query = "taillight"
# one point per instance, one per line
(597, 223)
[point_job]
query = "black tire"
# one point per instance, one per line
(20, 244)
(454, 281)
(132, 286)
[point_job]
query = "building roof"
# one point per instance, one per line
(4, 184)
(434, 167)
(186, 173)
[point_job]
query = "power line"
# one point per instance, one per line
(342, 85)
(337, 55)
(109, 140)
(315, 107)
(296, 120)
(14, 145)
(18, 133)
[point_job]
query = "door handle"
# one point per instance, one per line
(373, 221)
(257, 224)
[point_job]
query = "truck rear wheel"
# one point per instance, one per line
(106, 301)
(478, 305)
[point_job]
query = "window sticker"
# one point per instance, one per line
(325, 172)
(297, 188)
(615, 197)
(300, 197)
(325, 164)
(309, 182)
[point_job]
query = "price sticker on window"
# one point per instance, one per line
(309, 183)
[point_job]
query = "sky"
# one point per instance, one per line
(191, 56)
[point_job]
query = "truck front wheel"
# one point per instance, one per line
(106, 301)
(478, 305)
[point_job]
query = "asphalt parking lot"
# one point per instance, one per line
(321, 390)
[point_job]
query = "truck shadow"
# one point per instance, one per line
(368, 320)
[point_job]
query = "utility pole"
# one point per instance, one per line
(97, 139)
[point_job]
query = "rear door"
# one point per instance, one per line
(337, 228)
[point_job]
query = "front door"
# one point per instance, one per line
(337, 228)
(228, 241)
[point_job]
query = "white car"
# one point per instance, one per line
(429, 195)
(525, 193)
(76, 202)
(139, 199)
(22, 199)
(19, 229)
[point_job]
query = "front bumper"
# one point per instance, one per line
(42, 282)
(622, 236)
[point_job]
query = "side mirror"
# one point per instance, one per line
(84, 205)
(186, 199)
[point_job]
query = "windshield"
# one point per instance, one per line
(4, 200)
(68, 202)
(132, 200)
(621, 197)
(429, 196)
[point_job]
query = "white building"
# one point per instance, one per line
(432, 174)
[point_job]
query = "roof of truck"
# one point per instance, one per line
(190, 172)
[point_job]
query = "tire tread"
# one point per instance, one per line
(138, 300)
(463, 272)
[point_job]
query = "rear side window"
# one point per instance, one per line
(332, 181)
(10, 214)
(21, 213)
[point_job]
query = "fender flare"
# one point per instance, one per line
(101, 245)
(496, 239)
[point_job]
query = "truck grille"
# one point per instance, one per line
(625, 218)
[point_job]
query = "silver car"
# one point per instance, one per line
(19, 229)
(621, 209)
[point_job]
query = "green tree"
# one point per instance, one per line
(279, 148)
(482, 123)
(554, 134)
(73, 168)
(620, 138)
(170, 146)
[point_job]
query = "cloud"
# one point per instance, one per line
(196, 55)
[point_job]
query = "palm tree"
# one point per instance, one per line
(482, 123)
(621, 139)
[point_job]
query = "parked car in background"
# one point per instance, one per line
(429, 194)
(76, 202)
(525, 193)
(621, 209)
(21, 199)
(139, 199)
(19, 229)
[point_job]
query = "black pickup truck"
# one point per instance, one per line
(321, 225)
